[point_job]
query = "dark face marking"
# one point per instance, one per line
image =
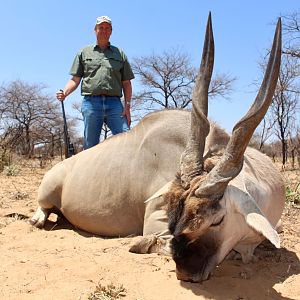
(175, 200)
(186, 212)
(193, 258)
(192, 222)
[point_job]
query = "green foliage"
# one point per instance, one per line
(293, 194)
(12, 170)
(107, 293)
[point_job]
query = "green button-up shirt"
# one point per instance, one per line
(102, 72)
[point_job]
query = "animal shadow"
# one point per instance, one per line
(238, 281)
(62, 223)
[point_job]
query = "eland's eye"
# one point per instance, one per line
(217, 223)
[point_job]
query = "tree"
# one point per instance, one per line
(9, 139)
(284, 104)
(295, 148)
(36, 115)
(284, 107)
(266, 131)
(168, 80)
(282, 116)
(291, 34)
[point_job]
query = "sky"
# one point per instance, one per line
(39, 39)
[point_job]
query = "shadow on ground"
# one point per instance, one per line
(274, 266)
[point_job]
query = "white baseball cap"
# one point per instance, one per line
(103, 19)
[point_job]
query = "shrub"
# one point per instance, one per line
(293, 195)
(12, 170)
(107, 293)
(5, 160)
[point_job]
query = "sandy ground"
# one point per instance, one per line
(61, 262)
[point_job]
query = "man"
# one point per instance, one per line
(104, 73)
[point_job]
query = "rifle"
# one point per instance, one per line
(69, 147)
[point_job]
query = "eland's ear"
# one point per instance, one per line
(160, 192)
(260, 223)
(254, 217)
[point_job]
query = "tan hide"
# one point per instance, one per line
(103, 190)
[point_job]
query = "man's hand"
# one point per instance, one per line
(127, 89)
(60, 95)
(126, 113)
(71, 86)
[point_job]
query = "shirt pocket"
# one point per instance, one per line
(116, 64)
(91, 65)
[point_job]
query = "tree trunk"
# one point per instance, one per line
(27, 150)
(293, 158)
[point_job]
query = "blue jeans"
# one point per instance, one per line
(97, 110)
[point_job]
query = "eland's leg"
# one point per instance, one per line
(246, 253)
(39, 218)
(156, 236)
(49, 195)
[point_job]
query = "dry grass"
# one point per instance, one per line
(293, 195)
(108, 292)
(291, 179)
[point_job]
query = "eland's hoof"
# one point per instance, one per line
(39, 218)
(143, 244)
(150, 244)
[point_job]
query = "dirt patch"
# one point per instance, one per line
(62, 262)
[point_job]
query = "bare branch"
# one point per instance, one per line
(168, 80)
(36, 115)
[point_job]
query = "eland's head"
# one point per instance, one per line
(202, 205)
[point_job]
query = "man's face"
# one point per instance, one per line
(103, 31)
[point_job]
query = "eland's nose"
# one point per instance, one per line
(187, 277)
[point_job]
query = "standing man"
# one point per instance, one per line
(104, 73)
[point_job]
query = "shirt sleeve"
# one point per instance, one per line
(77, 66)
(126, 71)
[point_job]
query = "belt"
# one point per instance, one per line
(105, 95)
